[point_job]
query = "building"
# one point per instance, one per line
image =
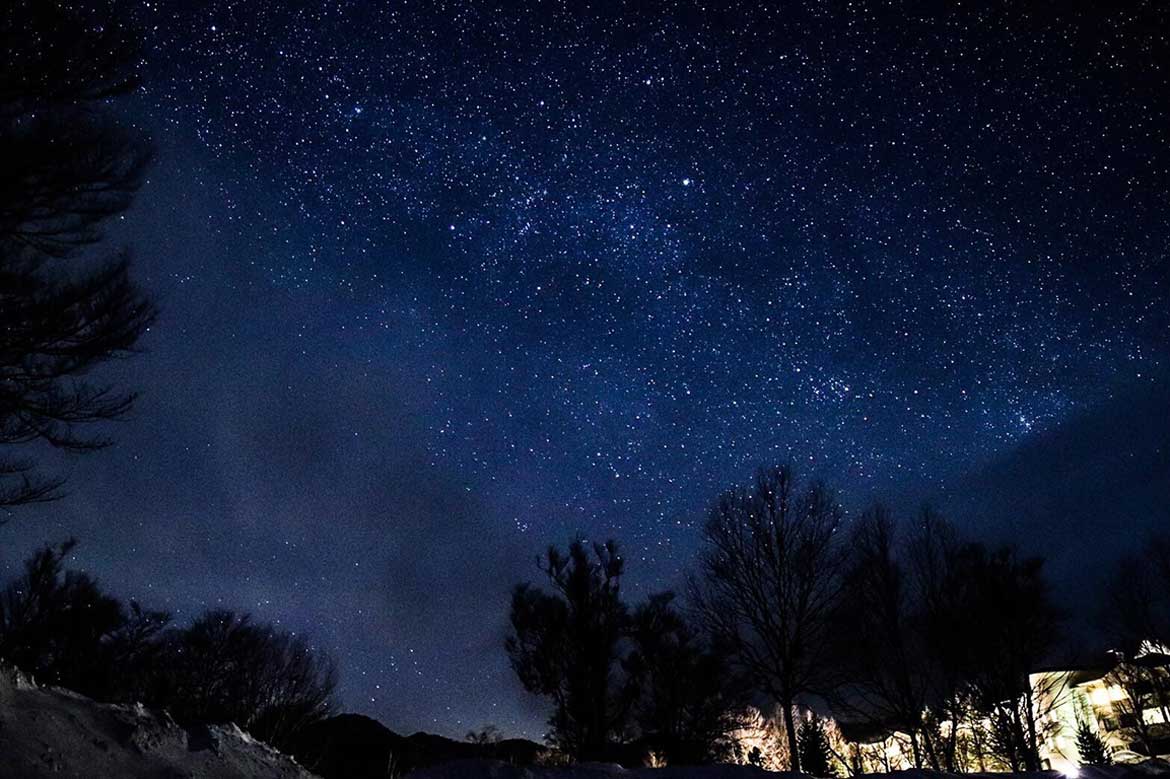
(1127, 704)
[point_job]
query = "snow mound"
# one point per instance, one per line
(47, 731)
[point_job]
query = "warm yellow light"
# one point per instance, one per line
(1103, 696)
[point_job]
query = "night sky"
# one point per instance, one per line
(443, 283)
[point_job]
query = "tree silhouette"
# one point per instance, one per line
(771, 577)
(54, 623)
(485, 736)
(1090, 747)
(1142, 678)
(891, 675)
(226, 667)
(815, 755)
(689, 700)
(67, 168)
(63, 628)
(1135, 615)
(565, 645)
(993, 624)
(932, 552)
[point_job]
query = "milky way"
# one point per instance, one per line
(676, 242)
(622, 253)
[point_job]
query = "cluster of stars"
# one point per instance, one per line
(632, 256)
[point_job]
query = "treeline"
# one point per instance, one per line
(612, 671)
(901, 625)
(223, 667)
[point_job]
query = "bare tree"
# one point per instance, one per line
(881, 644)
(225, 667)
(1135, 616)
(67, 168)
(771, 574)
(55, 623)
(932, 552)
(1002, 626)
(1158, 559)
(1136, 607)
(690, 702)
(1142, 680)
(62, 627)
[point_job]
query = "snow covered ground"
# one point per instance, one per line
(47, 731)
(482, 769)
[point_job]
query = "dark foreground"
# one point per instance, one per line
(48, 731)
(483, 769)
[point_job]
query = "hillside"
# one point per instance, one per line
(352, 745)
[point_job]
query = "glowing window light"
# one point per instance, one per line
(1104, 696)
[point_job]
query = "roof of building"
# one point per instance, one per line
(862, 732)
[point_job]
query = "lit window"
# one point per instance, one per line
(1105, 696)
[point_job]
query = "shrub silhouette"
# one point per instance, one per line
(225, 667)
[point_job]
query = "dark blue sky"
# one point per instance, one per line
(443, 283)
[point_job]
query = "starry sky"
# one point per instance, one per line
(445, 282)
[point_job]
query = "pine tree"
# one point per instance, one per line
(566, 645)
(815, 755)
(67, 169)
(1091, 748)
